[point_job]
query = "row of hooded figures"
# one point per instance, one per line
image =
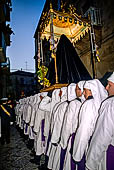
(73, 127)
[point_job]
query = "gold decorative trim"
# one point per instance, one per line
(55, 86)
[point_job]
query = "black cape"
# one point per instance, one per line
(70, 68)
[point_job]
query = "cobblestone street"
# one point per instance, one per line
(16, 155)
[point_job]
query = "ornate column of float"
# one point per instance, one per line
(52, 41)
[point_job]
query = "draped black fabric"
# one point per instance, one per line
(104, 80)
(69, 66)
(51, 72)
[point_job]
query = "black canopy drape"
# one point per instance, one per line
(51, 72)
(69, 65)
(104, 80)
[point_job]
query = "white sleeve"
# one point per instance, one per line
(38, 118)
(56, 132)
(29, 111)
(32, 117)
(45, 104)
(102, 137)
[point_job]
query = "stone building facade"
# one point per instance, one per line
(22, 84)
(104, 37)
(5, 32)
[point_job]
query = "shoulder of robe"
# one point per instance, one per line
(108, 101)
(75, 102)
(65, 103)
(111, 99)
(88, 103)
(62, 105)
(47, 97)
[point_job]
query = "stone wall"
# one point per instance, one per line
(104, 40)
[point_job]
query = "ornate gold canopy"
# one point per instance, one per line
(55, 23)
(71, 25)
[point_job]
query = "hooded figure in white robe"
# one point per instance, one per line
(37, 130)
(102, 137)
(87, 117)
(58, 126)
(33, 114)
(71, 122)
(47, 105)
(39, 116)
(34, 105)
(43, 118)
(71, 116)
(25, 108)
(24, 127)
(58, 107)
(29, 110)
(25, 113)
(102, 142)
(17, 111)
(21, 114)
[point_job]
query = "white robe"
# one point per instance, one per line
(69, 127)
(47, 105)
(18, 112)
(40, 145)
(87, 119)
(20, 120)
(29, 111)
(58, 122)
(102, 137)
(58, 116)
(56, 133)
(38, 119)
(70, 122)
(33, 114)
(39, 116)
(26, 117)
(53, 149)
(25, 113)
(25, 110)
(33, 111)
